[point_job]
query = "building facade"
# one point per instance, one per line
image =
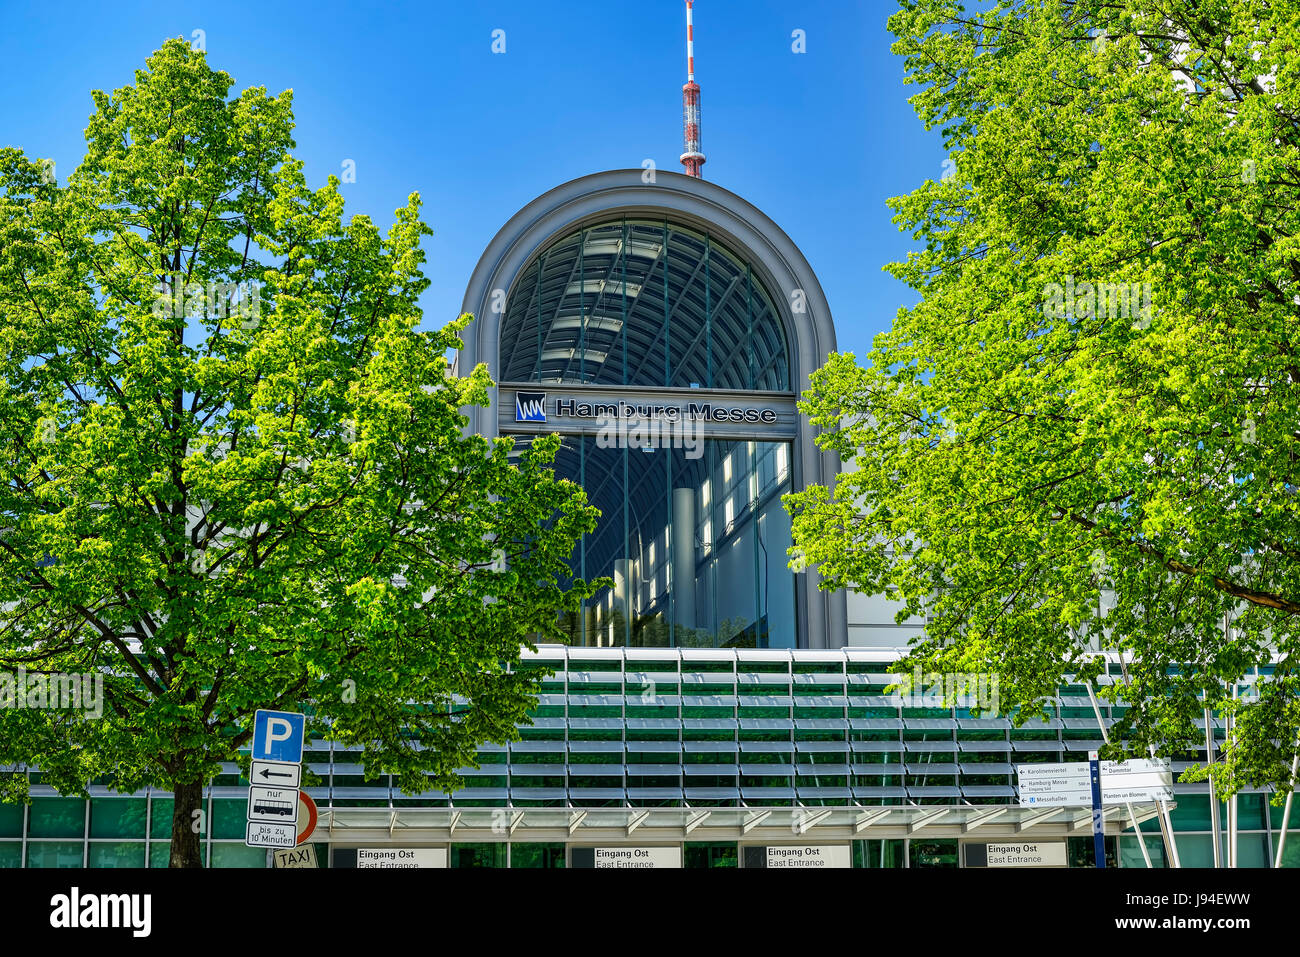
(695, 757)
(665, 329)
(712, 707)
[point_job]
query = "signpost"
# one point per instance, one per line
(274, 798)
(1098, 815)
(1124, 782)
(1070, 784)
(1054, 785)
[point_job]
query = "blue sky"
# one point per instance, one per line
(413, 93)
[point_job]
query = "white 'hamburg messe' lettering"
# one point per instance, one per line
(695, 410)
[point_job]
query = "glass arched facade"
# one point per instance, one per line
(642, 303)
(692, 534)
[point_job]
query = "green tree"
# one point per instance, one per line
(237, 475)
(1098, 392)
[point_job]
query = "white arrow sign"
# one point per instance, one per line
(275, 774)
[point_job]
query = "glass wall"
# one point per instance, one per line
(637, 302)
(694, 540)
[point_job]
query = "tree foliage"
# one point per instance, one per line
(1084, 436)
(237, 476)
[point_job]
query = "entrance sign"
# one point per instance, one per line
(641, 857)
(370, 858)
(262, 834)
(1017, 854)
(798, 855)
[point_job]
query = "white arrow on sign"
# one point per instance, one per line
(275, 774)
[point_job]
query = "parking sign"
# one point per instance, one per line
(277, 736)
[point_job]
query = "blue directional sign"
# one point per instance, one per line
(277, 736)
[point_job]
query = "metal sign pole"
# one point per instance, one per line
(1232, 801)
(1167, 827)
(1137, 831)
(1286, 811)
(1214, 798)
(1098, 816)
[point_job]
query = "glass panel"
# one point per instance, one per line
(11, 820)
(1082, 852)
(11, 854)
(57, 817)
(159, 853)
(706, 515)
(53, 853)
(478, 855)
(881, 853)
(1290, 850)
(229, 819)
(1194, 850)
(238, 855)
(116, 853)
(635, 302)
(160, 820)
(942, 853)
(697, 854)
(537, 855)
(1130, 853)
(1252, 850)
(1191, 814)
(118, 817)
(1251, 812)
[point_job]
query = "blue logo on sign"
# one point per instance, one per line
(277, 736)
(530, 406)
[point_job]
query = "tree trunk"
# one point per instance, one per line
(189, 824)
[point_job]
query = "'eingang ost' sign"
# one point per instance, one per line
(625, 857)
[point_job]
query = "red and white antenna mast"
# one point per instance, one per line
(692, 158)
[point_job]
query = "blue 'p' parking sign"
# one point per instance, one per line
(277, 736)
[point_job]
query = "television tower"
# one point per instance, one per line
(692, 158)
